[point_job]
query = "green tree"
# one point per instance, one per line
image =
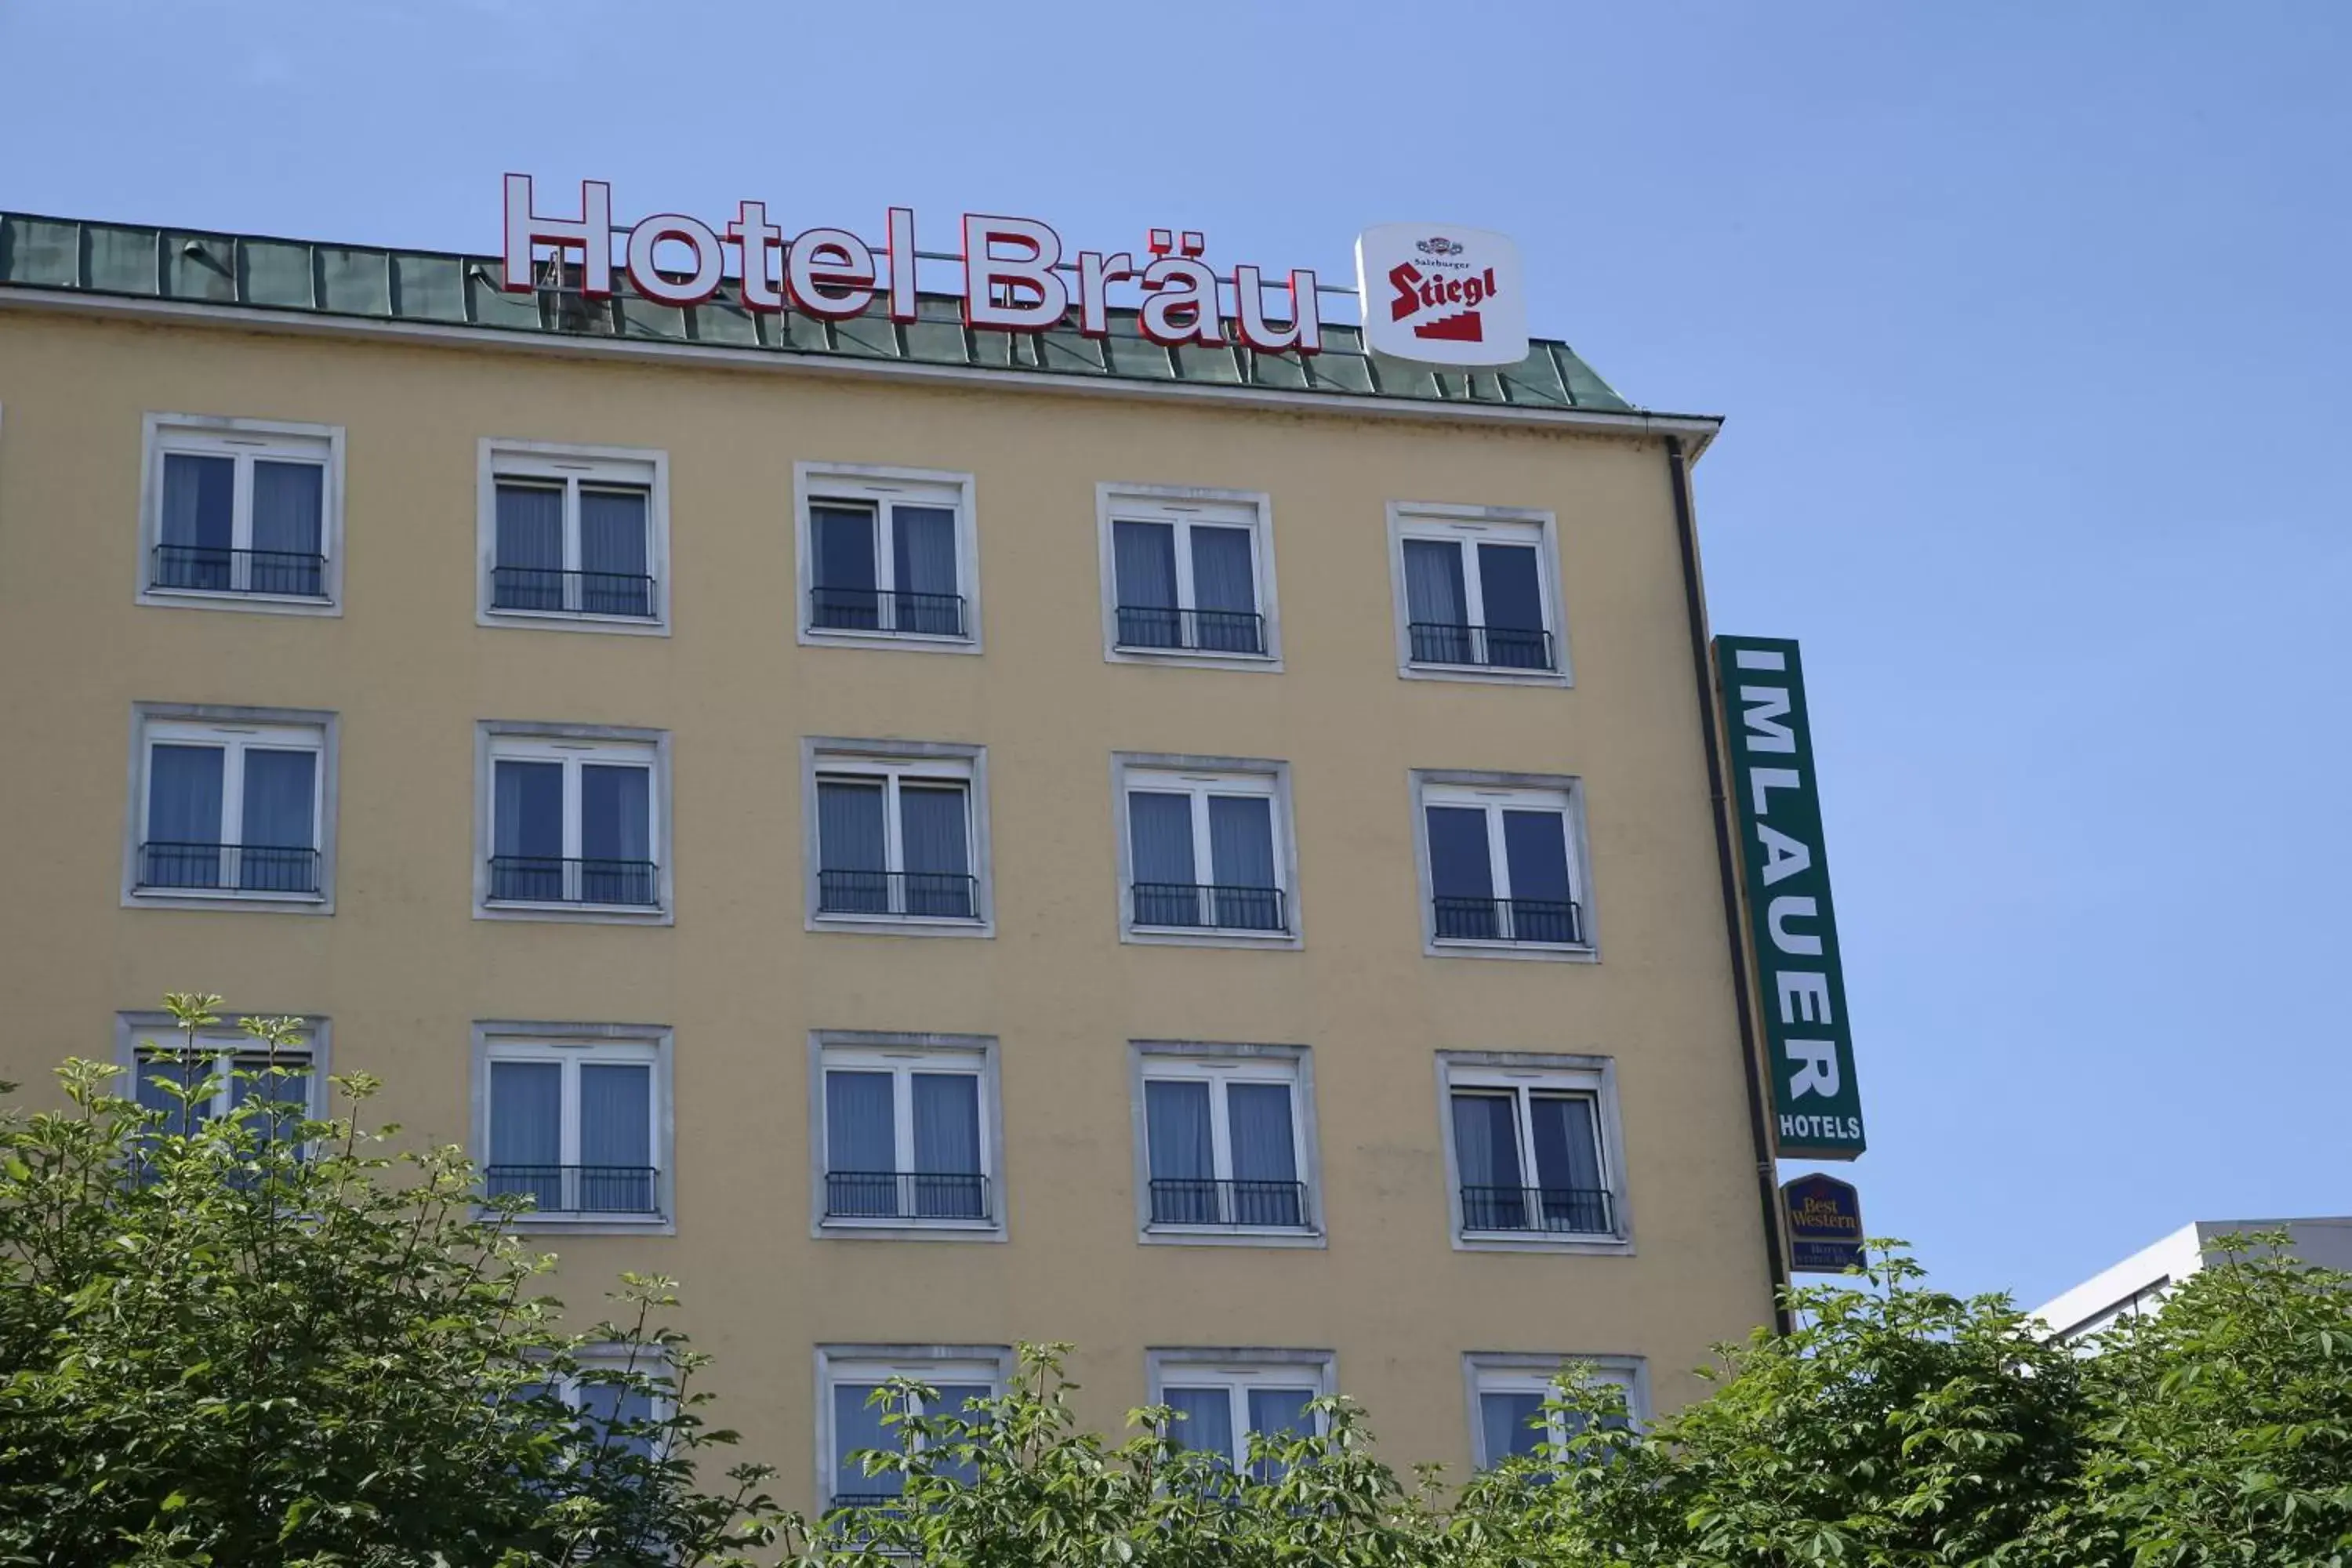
(257, 1339)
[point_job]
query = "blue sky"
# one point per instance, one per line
(2029, 322)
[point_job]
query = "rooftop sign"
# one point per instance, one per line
(1457, 303)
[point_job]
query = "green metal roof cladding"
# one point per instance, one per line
(250, 272)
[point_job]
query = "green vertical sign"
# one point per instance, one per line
(1785, 874)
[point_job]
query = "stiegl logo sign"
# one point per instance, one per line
(1786, 876)
(1442, 294)
(1454, 302)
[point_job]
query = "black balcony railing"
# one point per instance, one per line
(548, 591)
(1496, 647)
(1556, 922)
(926, 895)
(229, 868)
(551, 879)
(283, 573)
(893, 610)
(1582, 1210)
(1194, 905)
(905, 1194)
(578, 1189)
(1201, 631)
(1187, 1200)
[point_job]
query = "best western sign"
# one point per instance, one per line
(1465, 306)
(1800, 982)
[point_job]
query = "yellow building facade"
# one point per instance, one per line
(932, 852)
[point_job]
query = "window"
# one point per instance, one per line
(243, 514)
(1226, 1140)
(611, 1409)
(898, 836)
(1205, 850)
(908, 1132)
(1225, 1397)
(576, 1119)
(153, 1046)
(1502, 862)
(575, 536)
(1508, 1394)
(230, 807)
(1477, 594)
(1188, 575)
(574, 822)
(850, 1418)
(887, 557)
(1531, 1144)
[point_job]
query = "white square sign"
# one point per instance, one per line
(1442, 294)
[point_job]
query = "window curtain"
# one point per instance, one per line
(933, 844)
(1181, 1152)
(947, 1145)
(1462, 873)
(290, 1085)
(616, 834)
(527, 1131)
(1240, 861)
(1279, 1412)
(526, 830)
(851, 849)
(923, 557)
(278, 838)
(1514, 1424)
(199, 524)
(605, 1407)
(842, 538)
(181, 1071)
(1266, 1155)
(861, 1144)
(616, 1135)
(1486, 1155)
(1224, 590)
(1208, 1424)
(1144, 560)
(1534, 848)
(527, 571)
(857, 1426)
(954, 1397)
(183, 794)
(184, 817)
(1568, 1161)
(289, 511)
(614, 552)
(1160, 846)
(1434, 601)
(1508, 582)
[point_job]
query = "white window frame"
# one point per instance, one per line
(572, 466)
(1237, 1371)
(275, 440)
(1467, 526)
(1496, 794)
(572, 1046)
(615, 1355)
(234, 729)
(823, 757)
(142, 1038)
(1183, 506)
(903, 1054)
(991, 1365)
(879, 486)
(496, 740)
(1200, 777)
(1220, 1065)
(1594, 1077)
(1512, 1371)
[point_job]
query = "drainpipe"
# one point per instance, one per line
(1760, 1127)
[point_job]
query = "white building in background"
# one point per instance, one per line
(2141, 1282)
